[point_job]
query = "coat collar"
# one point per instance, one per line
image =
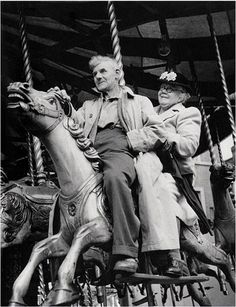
(171, 111)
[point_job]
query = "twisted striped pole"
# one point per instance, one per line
(89, 294)
(222, 75)
(115, 40)
(207, 131)
(36, 141)
(204, 117)
(28, 75)
(219, 147)
(30, 159)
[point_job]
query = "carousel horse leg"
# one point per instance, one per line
(54, 246)
(196, 294)
(64, 292)
(208, 253)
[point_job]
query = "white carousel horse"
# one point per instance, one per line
(83, 222)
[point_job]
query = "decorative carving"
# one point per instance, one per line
(15, 212)
(25, 213)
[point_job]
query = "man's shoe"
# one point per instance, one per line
(129, 265)
(174, 268)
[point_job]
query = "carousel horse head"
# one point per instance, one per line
(40, 112)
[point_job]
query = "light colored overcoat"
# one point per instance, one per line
(182, 129)
(160, 200)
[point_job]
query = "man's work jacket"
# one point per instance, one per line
(137, 117)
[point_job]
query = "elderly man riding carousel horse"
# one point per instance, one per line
(122, 125)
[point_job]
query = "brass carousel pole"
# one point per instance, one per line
(211, 151)
(204, 117)
(222, 75)
(115, 39)
(117, 55)
(36, 142)
(28, 75)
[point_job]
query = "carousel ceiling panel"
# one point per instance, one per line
(63, 35)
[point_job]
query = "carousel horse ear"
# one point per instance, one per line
(66, 103)
(65, 96)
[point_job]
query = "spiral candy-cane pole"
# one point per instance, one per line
(222, 75)
(203, 113)
(115, 40)
(25, 53)
(38, 160)
(42, 292)
(36, 141)
(219, 147)
(28, 75)
(90, 300)
(30, 159)
(207, 132)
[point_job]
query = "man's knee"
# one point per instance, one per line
(114, 177)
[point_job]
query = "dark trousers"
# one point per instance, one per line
(119, 175)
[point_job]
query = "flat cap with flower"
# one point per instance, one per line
(175, 78)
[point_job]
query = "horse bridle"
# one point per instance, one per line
(42, 110)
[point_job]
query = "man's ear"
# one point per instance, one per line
(118, 73)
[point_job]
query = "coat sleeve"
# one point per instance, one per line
(146, 138)
(185, 140)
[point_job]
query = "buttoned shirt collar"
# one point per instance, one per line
(124, 89)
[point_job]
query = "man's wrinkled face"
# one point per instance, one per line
(169, 95)
(105, 76)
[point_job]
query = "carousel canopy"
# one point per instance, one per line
(63, 35)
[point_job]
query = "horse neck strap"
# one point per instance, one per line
(41, 109)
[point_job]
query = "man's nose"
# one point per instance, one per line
(98, 76)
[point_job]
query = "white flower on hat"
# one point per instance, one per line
(169, 76)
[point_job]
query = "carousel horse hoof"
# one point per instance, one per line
(15, 303)
(59, 296)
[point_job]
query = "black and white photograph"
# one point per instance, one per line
(117, 153)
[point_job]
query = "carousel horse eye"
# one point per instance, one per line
(52, 100)
(26, 85)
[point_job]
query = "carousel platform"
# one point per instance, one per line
(139, 278)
